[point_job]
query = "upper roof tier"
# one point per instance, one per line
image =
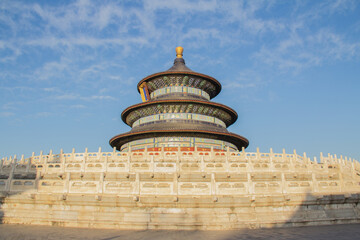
(180, 75)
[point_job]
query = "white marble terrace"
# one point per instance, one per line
(209, 173)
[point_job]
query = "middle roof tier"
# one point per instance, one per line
(190, 106)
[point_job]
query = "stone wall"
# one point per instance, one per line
(179, 190)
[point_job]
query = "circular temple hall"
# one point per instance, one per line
(179, 168)
(177, 112)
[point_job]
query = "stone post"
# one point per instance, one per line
(62, 160)
(86, 155)
(128, 161)
(227, 155)
(101, 183)
(321, 157)
(271, 159)
(293, 160)
(41, 157)
(283, 183)
(11, 174)
(114, 153)
(178, 161)
(32, 157)
(311, 167)
(213, 184)
(243, 153)
(342, 160)
(137, 184)
(99, 155)
(105, 164)
(357, 165)
(82, 161)
(353, 172)
(176, 184)
(28, 164)
(51, 156)
(67, 183)
(250, 184)
(227, 168)
(37, 177)
(73, 155)
(202, 164)
(341, 179)
(283, 154)
(44, 163)
(152, 164)
(315, 187)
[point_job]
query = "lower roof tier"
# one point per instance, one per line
(238, 141)
(185, 143)
(179, 124)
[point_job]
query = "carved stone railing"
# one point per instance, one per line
(179, 173)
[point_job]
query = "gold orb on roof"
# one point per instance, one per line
(179, 52)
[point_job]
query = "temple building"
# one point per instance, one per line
(179, 168)
(177, 112)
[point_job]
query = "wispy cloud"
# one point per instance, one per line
(78, 106)
(6, 114)
(80, 52)
(246, 79)
(71, 96)
(297, 52)
(42, 114)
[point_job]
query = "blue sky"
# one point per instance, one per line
(289, 68)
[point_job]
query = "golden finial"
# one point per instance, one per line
(179, 52)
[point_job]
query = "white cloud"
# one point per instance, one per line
(85, 23)
(52, 69)
(105, 14)
(333, 45)
(6, 114)
(67, 96)
(50, 89)
(72, 96)
(78, 44)
(78, 106)
(341, 6)
(99, 97)
(245, 15)
(246, 79)
(198, 37)
(42, 114)
(182, 6)
(302, 52)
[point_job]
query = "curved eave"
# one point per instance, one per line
(211, 79)
(229, 110)
(233, 138)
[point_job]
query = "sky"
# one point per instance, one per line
(290, 69)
